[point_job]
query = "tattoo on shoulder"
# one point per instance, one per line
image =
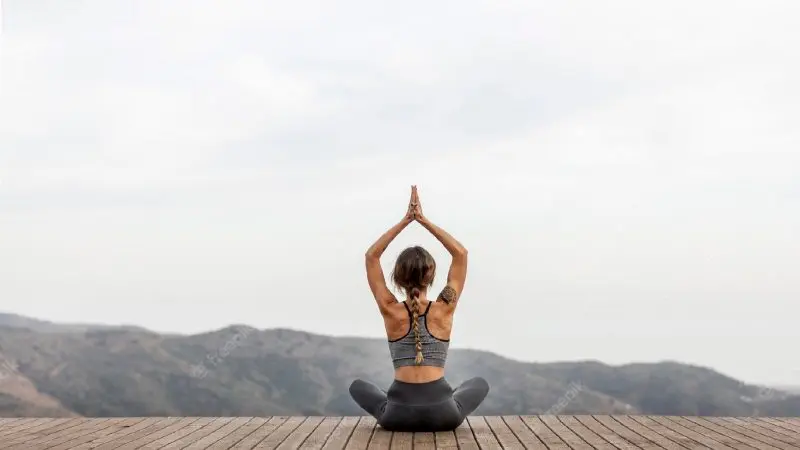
(448, 295)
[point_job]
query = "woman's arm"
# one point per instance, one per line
(457, 274)
(375, 277)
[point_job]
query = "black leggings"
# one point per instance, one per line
(432, 406)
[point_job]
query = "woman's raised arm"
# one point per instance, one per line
(457, 274)
(375, 277)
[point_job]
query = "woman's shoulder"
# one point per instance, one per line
(397, 310)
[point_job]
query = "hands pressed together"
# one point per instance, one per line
(414, 211)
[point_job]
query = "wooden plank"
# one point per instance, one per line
(766, 429)
(197, 433)
(722, 422)
(523, 433)
(777, 429)
(795, 429)
(649, 423)
(402, 441)
(301, 433)
(621, 442)
(8, 421)
(446, 440)
(318, 438)
(635, 432)
(239, 434)
(424, 441)
(30, 428)
(94, 428)
(27, 425)
(362, 433)
(589, 436)
(41, 433)
(19, 423)
(503, 433)
(730, 433)
(281, 433)
(544, 433)
(155, 428)
(230, 425)
(792, 420)
(259, 434)
(176, 434)
(723, 439)
(705, 440)
(54, 439)
(157, 435)
(381, 439)
(125, 431)
(341, 434)
(483, 434)
(598, 432)
(566, 435)
(465, 438)
(112, 426)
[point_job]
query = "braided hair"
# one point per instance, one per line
(414, 271)
(414, 296)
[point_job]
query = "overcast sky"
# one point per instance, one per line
(625, 174)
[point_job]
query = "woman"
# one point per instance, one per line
(418, 330)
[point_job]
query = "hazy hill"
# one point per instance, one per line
(109, 371)
(43, 326)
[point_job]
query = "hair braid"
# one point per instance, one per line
(415, 293)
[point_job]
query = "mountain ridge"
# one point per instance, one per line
(238, 370)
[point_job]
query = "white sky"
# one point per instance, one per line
(626, 175)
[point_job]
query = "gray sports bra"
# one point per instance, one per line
(404, 350)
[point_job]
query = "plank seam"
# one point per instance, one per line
(600, 435)
(267, 419)
(645, 438)
(328, 437)
(760, 430)
(211, 444)
(675, 423)
(308, 435)
(665, 437)
(289, 433)
(706, 427)
(674, 431)
(505, 421)
(559, 419)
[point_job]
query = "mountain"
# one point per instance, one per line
(43, 326)
(56, 370)
(790, 389)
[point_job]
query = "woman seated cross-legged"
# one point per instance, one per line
(418, 330)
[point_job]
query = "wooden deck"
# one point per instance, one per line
(512, 432)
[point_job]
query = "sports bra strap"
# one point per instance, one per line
(410, 315)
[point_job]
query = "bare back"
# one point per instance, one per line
(439, 323)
